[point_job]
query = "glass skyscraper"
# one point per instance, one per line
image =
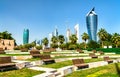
(92, 22)
(26, 36)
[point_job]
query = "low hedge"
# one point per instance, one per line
(115, 50)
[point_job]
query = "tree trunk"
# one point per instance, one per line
(85, 45)
(102, 44)
(116, 46)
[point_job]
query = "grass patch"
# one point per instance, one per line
(14, 54)
(111, 70)
(33, 59)
(20, 73)
(69, 62)
(56, 57)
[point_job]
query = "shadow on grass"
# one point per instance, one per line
(117, 69)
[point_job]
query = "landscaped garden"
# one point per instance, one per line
(111, 70)
(69, 62)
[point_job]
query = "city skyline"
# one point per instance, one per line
(41, 16)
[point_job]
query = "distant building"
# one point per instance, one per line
(25, 36)
(56, 32)
(77, 32)
(92, 22)
(50, 37)
(68, 34)
(7, 44)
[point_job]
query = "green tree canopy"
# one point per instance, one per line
(116, 39)
(85, 37)
(103, 35)
(61, 39)
(45, 41)
(54, 39)
(73, 39)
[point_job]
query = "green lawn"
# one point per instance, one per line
(69, 62)
(33, 59)
(20, 73)
(14, 54)
(111, 70)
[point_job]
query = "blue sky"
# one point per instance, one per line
(41, 16)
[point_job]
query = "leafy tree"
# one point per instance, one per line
(116, 39)
(73, 39)
(93, 44)
(53, 45)
(39, 47)
(6, 35)
(82, 45)
(102, 34)
(85, 37)
(72, 46)
(61, 39)
(62, 46)
(54, 39)
(45, 41)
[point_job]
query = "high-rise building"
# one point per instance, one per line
(26, 36)
(56, 32)
(68, 34)
(50, 37)
(92, 22)
(77, 32)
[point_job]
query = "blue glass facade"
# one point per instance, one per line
(25, 36)
(92, 21)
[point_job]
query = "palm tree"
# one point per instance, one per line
(85, 37)
(54, 40)
(73, 39)
(61, 39)
(45, 41)
(102, 34)
(116, 39)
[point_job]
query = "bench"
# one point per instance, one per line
(80, 51)
(2, 51)
(101, 52)
(6, 64)
(94, 51)
(35, 53)
(49, 49)
(47, 59)
(92, 55)
(24, 50)
(106, 58)
(79, 63)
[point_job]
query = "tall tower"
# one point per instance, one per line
(92, 22)
(26, 36)
(77, 32)
(56, 32)
(68, 34)
(50, 37)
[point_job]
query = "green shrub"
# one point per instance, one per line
(115, 50)
(39, 47)
(72, 46)
(93, 44)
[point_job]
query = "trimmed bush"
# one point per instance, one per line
(115, 50)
